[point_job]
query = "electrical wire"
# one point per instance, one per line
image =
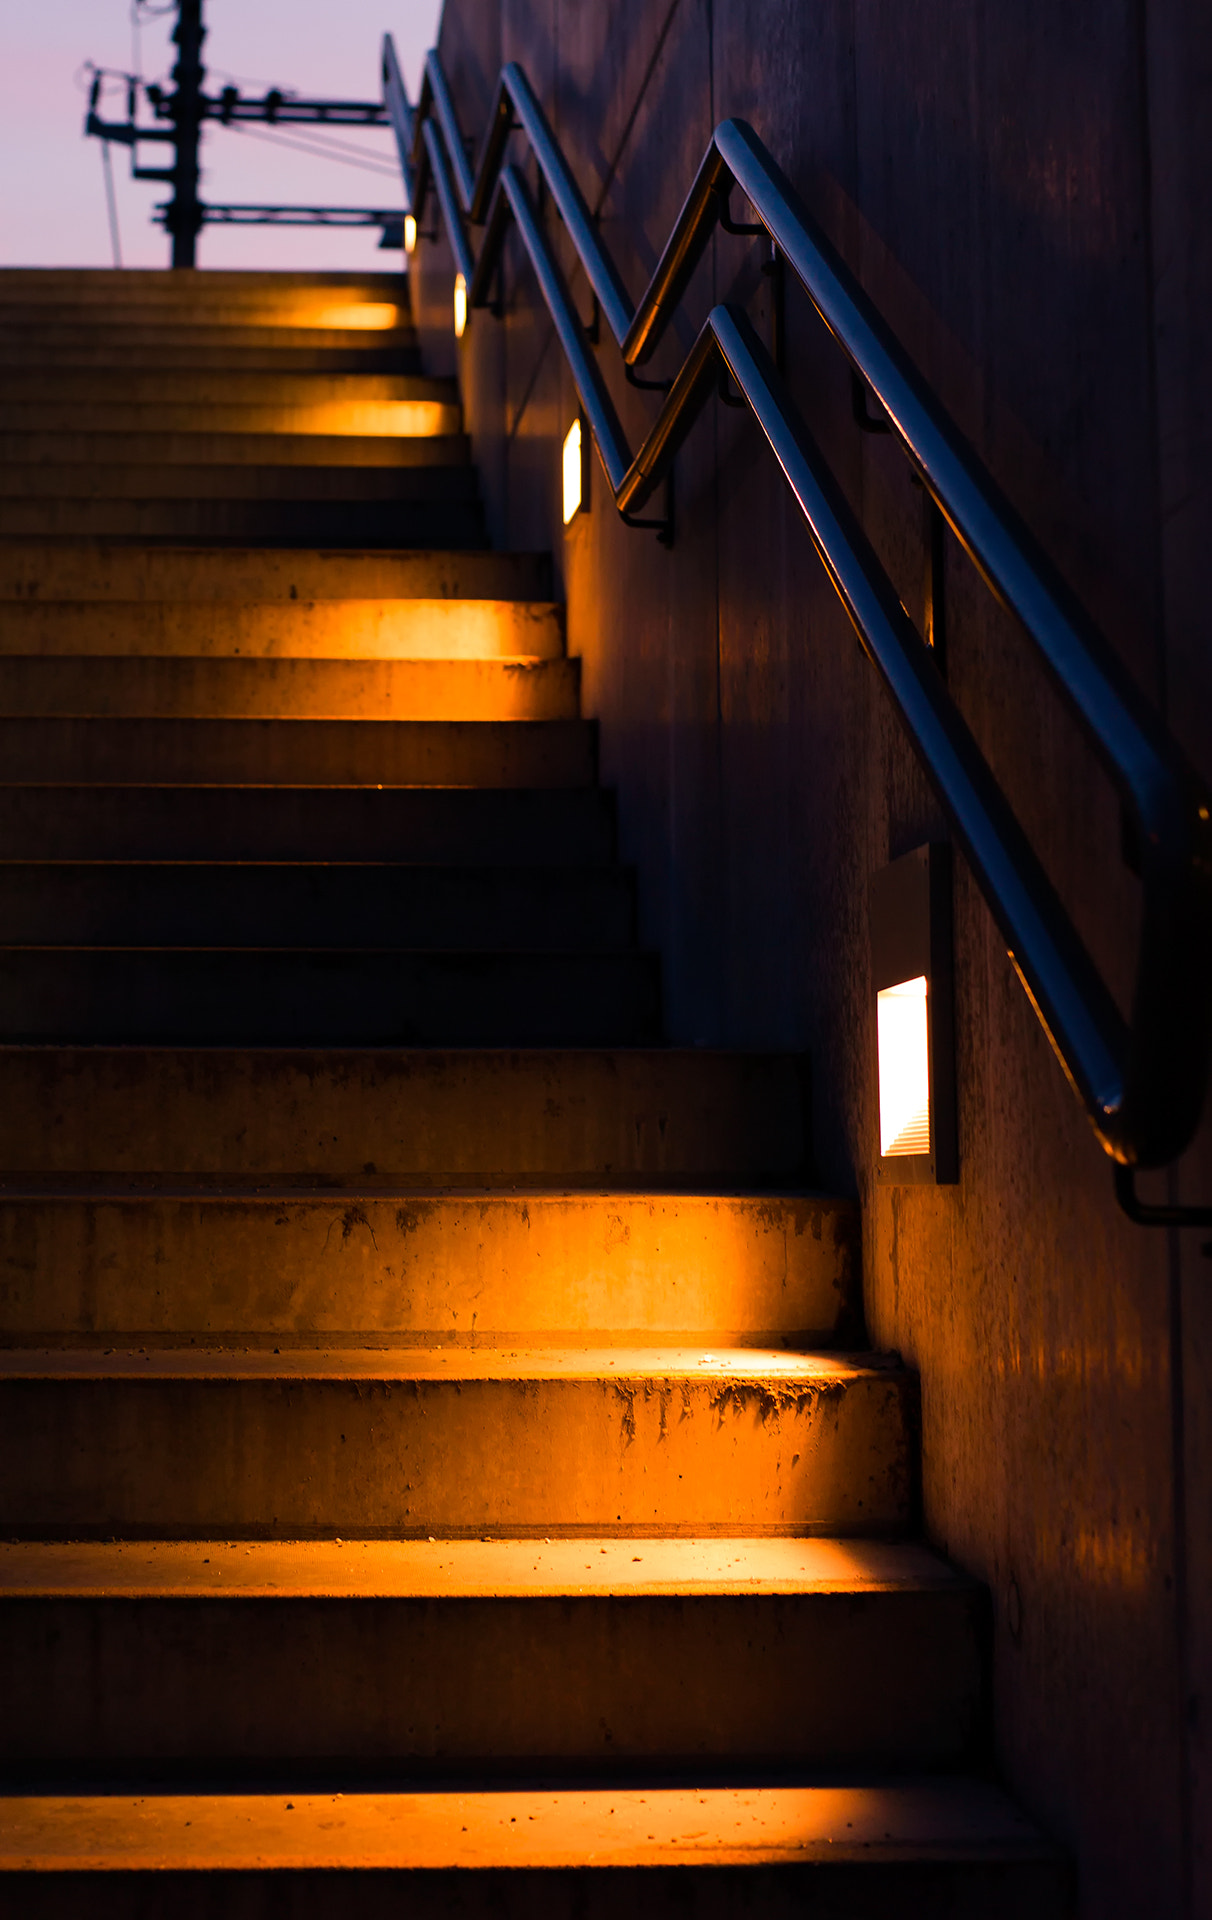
(316, 151)
(322, 138)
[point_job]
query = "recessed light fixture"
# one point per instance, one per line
(912, 968)
(410, 233)
(575, 464)
(460, 306)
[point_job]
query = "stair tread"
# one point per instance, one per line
(689, 1826)
(592, 1565)
(773, 1368)
(204, 445)
(94, 687)
(90, 572)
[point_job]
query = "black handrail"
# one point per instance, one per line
(1142, 1083)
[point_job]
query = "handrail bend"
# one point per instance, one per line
(1141, 1082)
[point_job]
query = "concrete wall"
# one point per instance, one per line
(1022, 190)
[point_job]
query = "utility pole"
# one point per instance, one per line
(177, 119)
(184, 216)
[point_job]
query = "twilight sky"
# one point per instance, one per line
(52, 194)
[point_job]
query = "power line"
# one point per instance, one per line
(317, 152)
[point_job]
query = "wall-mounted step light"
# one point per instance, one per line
(460, 306)
(410, 233)
(575, 468)
(912, 973)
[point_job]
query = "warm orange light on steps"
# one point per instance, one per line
(366, 316)
(407, 419)
(301, 629)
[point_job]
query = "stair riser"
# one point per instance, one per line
(203, 448)
(446, 1269)
(419, 419)
(466, 1116)
(251, 998)
(129, 488)
(225, 389)
(303, 1456)
(464, 827)
(409, 690)
(366, 354)
(335, 324)
(176, 289)
(299, 753)
(327, 629)
(477, 909)
(301, 523)
(887, 1679)
(99, 575)
(912, 1889)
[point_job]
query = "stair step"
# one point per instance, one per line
(203, 447)
(98, 575)
(55, 332)
(479, 908)
(414, 486)
(509, 1654)
(939, 1846)
(484, 1116)
(190, 288)
(339, 321)
(109, 361)
(461, 826)
(241, 522)
(94, 687)
(298, 753)
(177, 1441)
(433, 1267)
(299, 414)
(327, 996)
(372, 629)
(223, 388)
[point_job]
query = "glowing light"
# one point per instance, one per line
(361, 316)
(460, 306)
(904, 1055)
(410, 233)
(573, 463)
(374, 419)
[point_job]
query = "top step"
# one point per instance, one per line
(191, 288)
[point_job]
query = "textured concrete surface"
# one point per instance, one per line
(177, 1441)
(941, 1847)
(490, 1656)
(362, 1117)
(438, 1268)
(1022, 193)
(727, 1825)
(554, 1652)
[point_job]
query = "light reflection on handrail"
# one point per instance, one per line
(1142, 1083)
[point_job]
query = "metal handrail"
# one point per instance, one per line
(1142, 1083)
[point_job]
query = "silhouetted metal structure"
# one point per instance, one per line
(177, 121)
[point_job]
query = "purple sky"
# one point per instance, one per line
(52, 202)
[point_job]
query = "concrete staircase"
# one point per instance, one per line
(435, 1473)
